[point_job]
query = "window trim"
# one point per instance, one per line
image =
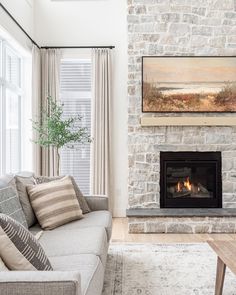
(18, 91)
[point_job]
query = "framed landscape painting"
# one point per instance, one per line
(188, 84)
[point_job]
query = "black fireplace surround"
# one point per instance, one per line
(190, 180)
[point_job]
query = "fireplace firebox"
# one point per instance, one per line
(190, 180)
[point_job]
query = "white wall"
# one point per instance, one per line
(100, 22)
(23, 12)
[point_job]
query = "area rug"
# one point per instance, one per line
(163, 269)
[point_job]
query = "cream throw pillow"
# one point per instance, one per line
(3, 266)
(55, 203)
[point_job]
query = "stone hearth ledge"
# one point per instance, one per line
(181, 220)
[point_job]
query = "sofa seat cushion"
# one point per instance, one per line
(35, 229)
(89, 266)
(95, 218)
(91, 240)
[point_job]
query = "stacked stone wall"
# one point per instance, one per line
(175, 28)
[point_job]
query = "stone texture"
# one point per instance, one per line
(202, 30)
(175, 27)
(179, 228)
(155, 227)
(224, 227)
(202, 228)
(137, 227)
(190, 18)
(199, 11)
(182, 225)
(170, 17)
(179, 29)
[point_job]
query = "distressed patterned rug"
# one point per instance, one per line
(163, 269)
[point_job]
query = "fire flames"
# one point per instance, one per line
(188, 184)
(184, 185)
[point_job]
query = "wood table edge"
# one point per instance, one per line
(214, 246)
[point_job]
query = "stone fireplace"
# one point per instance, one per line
(176, 27)
(190, 180)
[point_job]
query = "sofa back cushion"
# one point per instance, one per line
(18, 247)
(10, 205)
(55, 203)
(82, 201)
(8, 180)
(21, 183)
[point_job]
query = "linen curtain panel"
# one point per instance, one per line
(36, 105)
(46, 71)
(50, 68)
(101, 178)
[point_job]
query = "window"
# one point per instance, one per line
(76, 97)
(10, 99)
(15, 110)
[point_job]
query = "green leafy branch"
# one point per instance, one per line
(55, 131)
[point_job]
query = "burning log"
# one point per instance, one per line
(186, 188)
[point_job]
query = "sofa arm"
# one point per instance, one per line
(97, 202)
(40, 283)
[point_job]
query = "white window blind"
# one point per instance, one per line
(10, 109)
(76, 98)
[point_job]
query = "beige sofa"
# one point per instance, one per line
(77, 252)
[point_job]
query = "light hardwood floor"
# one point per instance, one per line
(120, 234)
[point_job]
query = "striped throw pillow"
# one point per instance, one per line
(82, 201)
(55, 203)
(18, 247)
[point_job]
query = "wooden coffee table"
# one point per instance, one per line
(226, 252)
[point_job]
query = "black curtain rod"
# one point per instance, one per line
(71, 47)
(47, 47)
(16, 22)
